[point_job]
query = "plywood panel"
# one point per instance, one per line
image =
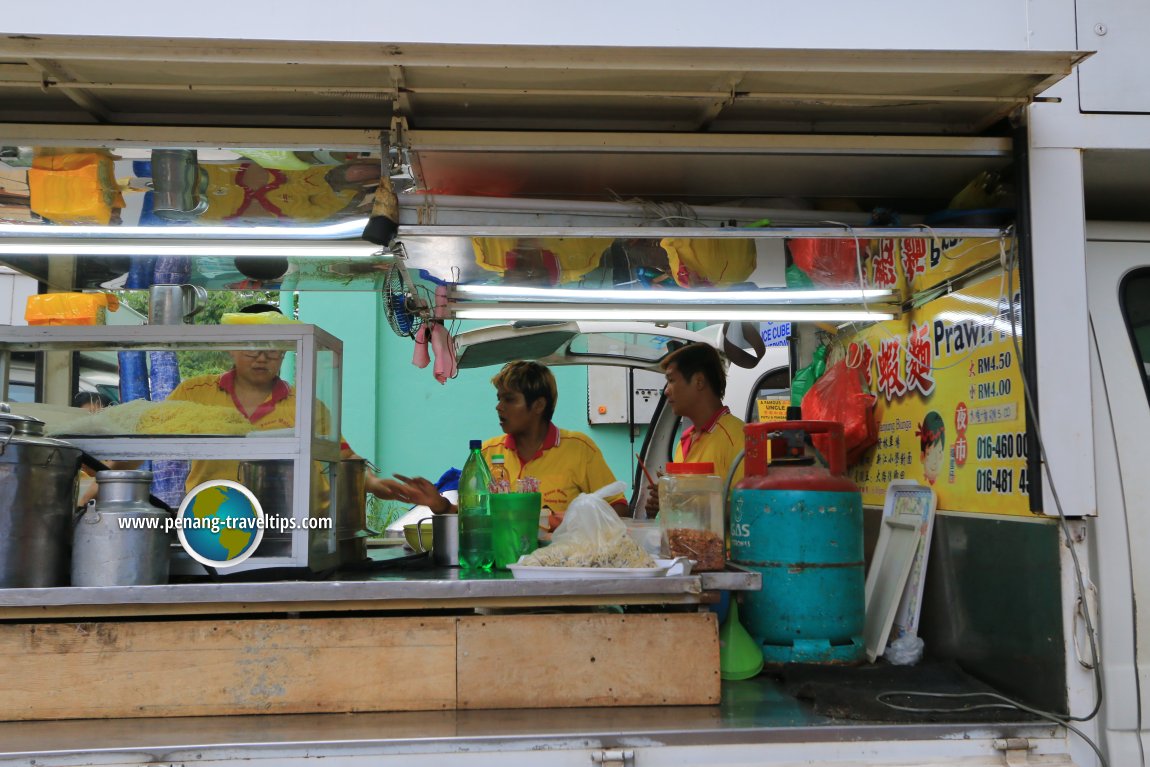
(195, 668)
(529, 661)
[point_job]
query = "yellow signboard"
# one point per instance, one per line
(884, 268)
(907, 265)
(950, 402)
(928, 262)
(773, 409)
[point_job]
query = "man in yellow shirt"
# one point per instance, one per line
(696, 383)
(566, 463)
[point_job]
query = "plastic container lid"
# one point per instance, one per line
(475, 444)
(690, 468)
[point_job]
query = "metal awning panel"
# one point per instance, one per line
(77, 79)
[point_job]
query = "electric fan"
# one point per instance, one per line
(406, 310)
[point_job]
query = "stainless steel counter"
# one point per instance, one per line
(420, 589)
(754, 714)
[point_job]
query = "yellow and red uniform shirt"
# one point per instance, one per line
(717, 441)
(568, 463)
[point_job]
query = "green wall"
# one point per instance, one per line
(405, 421)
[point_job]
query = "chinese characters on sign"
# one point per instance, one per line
(950, 403)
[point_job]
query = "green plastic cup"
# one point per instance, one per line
(515, 525)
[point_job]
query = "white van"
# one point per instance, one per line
(96, 376)
(788, 98)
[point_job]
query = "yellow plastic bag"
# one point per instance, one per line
(69, 308)
(709, 263)
(550, 260)
(260, 318)
(74, 187)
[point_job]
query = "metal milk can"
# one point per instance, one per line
(120, 539)
(38, 483)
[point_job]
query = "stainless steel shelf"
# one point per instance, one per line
(156, 337)
(421, 589)
(194, 448)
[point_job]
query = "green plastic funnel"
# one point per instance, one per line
(740, 656)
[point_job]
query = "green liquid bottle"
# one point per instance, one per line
(476, 551)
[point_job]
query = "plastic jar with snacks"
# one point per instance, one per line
(691, 514)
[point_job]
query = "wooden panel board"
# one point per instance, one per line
(545, 661)
(196, 668)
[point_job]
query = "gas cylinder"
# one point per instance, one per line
(797, 520)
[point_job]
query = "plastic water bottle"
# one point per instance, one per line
(500, 479)
(476, 550)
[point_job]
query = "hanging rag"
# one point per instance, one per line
(436, 334)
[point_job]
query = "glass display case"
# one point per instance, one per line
(291, 470)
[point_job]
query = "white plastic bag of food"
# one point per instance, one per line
(591, 535)
(589, 518)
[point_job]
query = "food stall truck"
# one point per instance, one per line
(1030, 322)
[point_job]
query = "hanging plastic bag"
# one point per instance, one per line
(540, 261)
(698, 263)
(797, 278)
(806, 377)
(830, 263)
(841, 395)
(592, 535)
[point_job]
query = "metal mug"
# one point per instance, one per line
(174, 304)
(445, 540)
(176, 184)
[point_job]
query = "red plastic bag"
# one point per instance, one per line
(830, 263)
(841, 395)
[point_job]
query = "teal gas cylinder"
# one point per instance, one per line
(798, 522)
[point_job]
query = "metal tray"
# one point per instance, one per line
(677, 566)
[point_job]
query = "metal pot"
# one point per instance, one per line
(351, 510)
(271, 484)
(38, 484)
(106, 550)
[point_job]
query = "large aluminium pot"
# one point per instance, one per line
(38, 484)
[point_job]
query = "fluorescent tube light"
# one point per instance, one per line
(668, 314)
(632, 297)
(837, 232)
(186, 248)
(349, 228)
